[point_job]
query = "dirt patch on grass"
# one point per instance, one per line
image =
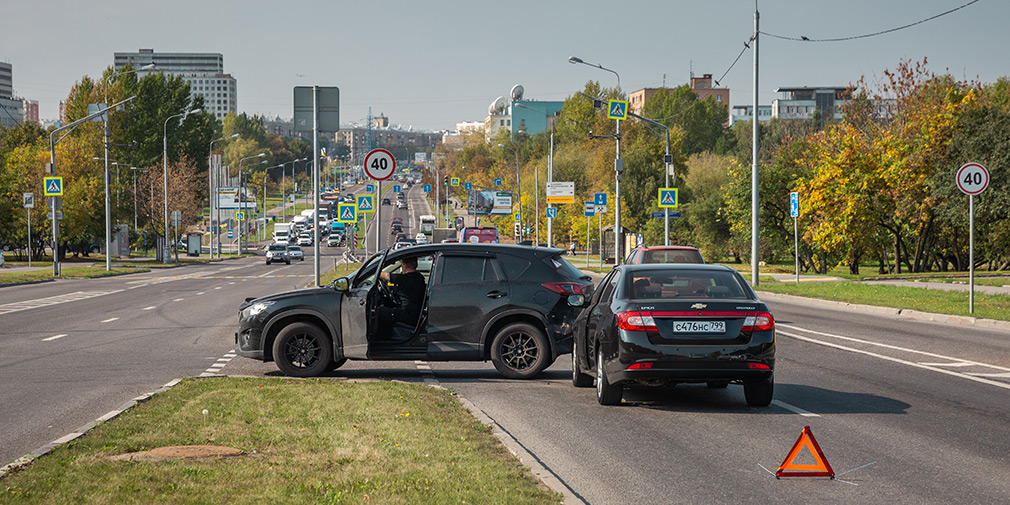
(180, 452)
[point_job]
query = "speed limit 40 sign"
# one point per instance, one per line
(972, 178)
(379, 164)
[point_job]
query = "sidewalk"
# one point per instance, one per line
(947, 286)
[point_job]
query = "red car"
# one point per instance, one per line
(665, 254)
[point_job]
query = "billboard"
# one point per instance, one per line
(484, 202)
(228, 198)
(560, 192)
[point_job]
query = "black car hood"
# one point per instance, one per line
(285, 295)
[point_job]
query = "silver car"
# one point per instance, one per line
(278, 252)
(296, 252)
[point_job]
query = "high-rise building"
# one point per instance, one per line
(11, 112)
(31, 110)
(203, 71)
(6, 81)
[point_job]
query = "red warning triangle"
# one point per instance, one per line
(789, 467)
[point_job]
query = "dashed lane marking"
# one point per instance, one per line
(54, 337)
(7, 308)
(178, 299)
(794, 409)
(426, 372)
(149, 308)
(215, 369)
(111, 319)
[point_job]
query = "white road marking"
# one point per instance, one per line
(111, 319)
(215, 369)
(219, 287)
(200, 293)
(999, 375)
(178, 299)
(1003, 385)
(61, 335)
(149, 308)
(7, 308)
(957, 364)
(794, 409)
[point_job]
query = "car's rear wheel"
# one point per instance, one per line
(303, 350)
(606, 393)
(520, 351)
(580, 379)
(759, 393)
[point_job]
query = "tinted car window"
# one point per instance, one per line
(608, 289)
(278, 247)
(672, 256)
(604, 282)
(685, 284)
(462, 269)
(565, 268)
(367, 272)
(514, 266)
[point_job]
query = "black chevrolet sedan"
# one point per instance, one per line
(504, 303)
(669, 324)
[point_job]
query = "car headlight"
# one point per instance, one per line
(256, 309)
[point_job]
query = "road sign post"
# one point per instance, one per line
(29, 203)
(971, 179)
(379, 165)
(794, 211)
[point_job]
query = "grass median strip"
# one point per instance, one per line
(302, 441)
(988, 306)
(87, 272)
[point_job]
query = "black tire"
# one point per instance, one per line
(759, 393)
(580, 379)
(302, 258)
(288, 262)
(606, 393)
(303, 350)
(520, 351)
(717, 384)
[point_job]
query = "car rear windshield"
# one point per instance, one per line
(565, 268)
(679, 283)
(672, 256)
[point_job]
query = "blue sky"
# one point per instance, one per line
(431, 64)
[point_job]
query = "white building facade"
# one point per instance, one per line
(203, 71)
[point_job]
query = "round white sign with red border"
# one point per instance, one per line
(972, 178)
(380, 164)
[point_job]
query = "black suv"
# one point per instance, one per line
(505, 303)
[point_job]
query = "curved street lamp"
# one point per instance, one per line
(212, 202)
(183, 115)
(241, 197)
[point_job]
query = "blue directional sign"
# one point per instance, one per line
(396, 188)
(600, 198)
(660, 215)
(231, 234)
(347, 213)
(552, 212)
(365, 203)
(467, 186)
(370, 188)
(794, 204)
(427, 188)
(497, 181)
(668, 198)
(590, 209)
(53, 186)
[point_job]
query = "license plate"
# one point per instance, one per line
(699, 326)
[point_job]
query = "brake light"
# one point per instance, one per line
(758, 366)
(758, 321)
(636, 321)
(565, 288)
(645, 365)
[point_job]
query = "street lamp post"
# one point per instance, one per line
(618, 165)
(211, 200)
(284, 183)
(241, 198)
(519, 191)
(550, 179)
(183, 115)
(134, 171)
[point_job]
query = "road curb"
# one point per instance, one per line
(74, 435)
(909, 313)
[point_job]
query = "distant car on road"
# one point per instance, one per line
(278, 252)
(335, 239)
(665, 254)
(305, 240)
(385, 201)
(421, 238)
(664, 324)
(296, 252)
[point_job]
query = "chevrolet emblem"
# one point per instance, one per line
(699, 306)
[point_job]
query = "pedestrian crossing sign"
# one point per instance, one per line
(240, 215)
(668, 198)
(617, 109)
(365, 203)
(347, 213)
(454, 181)
(53, 186)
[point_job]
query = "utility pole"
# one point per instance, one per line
(754, 162)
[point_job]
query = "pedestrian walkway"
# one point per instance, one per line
(948, 286)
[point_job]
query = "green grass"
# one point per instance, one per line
(979, 281)
(305, 442)
(926, 300)
(87, 272)
(336, 273)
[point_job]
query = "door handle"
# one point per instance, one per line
(496, 294)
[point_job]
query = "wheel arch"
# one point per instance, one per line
(502, 320)
(280, 321)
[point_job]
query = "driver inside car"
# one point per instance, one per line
(400, 311)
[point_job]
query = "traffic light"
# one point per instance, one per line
(446, 180)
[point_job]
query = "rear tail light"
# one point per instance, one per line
(645, 365)
(758, 321)
(636, 321)
(565, 288)
(758, 366)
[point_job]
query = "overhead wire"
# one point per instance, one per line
(874, 34)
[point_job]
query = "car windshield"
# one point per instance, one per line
(295, 248)
(277, 247)
(681, 283)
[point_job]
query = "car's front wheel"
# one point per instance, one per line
(520, 351)
(606, 393)
(303, 350)
(759, 393)
(580, 379)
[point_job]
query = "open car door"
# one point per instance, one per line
(357, 315)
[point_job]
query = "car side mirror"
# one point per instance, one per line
(341, 284)
(576, 300)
